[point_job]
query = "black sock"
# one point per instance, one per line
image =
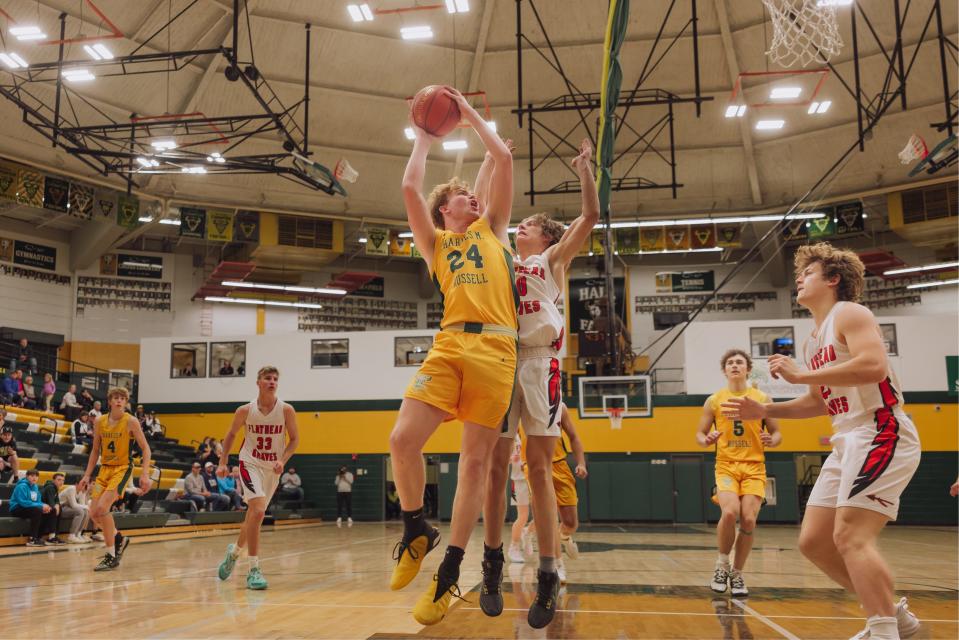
(413, 523)
(493, 554)
(449, 572)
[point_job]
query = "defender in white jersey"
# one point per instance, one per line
(875, 445)
(545, 252)
(270, 438)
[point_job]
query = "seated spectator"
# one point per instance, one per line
(140, 414)
(227, 487)
(9, 463)
(195, 488)
(29, 394)
(226, 369)
(75, 506)
(86, 399)
(26, 503)
(152, 427)
(203, 451)
(50, 495)
(69, 406)
(10, 392)
(291, 487)
(96, 411)
(219, 501)
(216, 452)
(392, 502)
(49, 390)
(241, 370)
(23, 357)
(83, 429)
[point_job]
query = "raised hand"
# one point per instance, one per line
(581, 161)
(784, 367)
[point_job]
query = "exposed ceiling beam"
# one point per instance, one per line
(732, 64)
(477, 67)
(141, 31)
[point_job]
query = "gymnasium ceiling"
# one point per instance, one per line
(362, 74)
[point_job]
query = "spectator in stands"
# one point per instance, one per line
(96, 411)
(226, 369)
(83, 429)
(25, 503)
(216, 452)
(140, 414)
(8, 450)
(69, 406)
(218, 501)
(227, 487)
(344, 495)
(49, 389)
(86, 399)
(152, 427)
(392, 502)
(75, 506)
(10, 393)
(291, 487)
(203, 451)
(23, 357)
(241, 370)
(194, 488)
(29, 393)
(50, 496)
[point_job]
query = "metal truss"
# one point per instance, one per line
(545, 140)
(111, 146)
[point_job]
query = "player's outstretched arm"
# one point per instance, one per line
(417, 211)
(500, 204)
(809, 405)
(563, 252)
(146, 455)
(92, 462)
(579, 452)
(239, 419)
(704, 436)
(293, 436)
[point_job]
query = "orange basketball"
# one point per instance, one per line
(434, 111)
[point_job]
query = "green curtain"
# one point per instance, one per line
(612, 80)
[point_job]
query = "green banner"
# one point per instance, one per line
(246, 226)
(822, 227)
(192, 222)
(952, 374)
(128, 211)
(616, 24)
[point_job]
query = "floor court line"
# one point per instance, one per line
(183, 574)
(766, 621)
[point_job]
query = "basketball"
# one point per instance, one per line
(434, 111)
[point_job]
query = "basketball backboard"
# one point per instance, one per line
(598, 394)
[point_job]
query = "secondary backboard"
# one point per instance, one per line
(599, 394)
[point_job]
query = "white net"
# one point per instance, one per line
(615, 418)
(915, 150)
(804, 31)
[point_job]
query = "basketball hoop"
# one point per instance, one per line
(343, 171)
(615, 417)
(915, 149)
(803, 31)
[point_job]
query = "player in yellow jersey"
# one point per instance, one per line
(111, 444)
(740, 469)
(471, 366)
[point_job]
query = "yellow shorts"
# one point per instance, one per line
(470, 376)
(564, 484)
(112, 478)
(741, 478)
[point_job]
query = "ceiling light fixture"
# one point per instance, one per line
(785, 93)
(923, 285)
(735, 111)
(98, 51)
(928, 267)
(145, 219)
(268, 303)
(172, 221)
(215, 157)
(27, 33)
(819, 107)
(457, 6)
(13, 61)
(78, 75)
(834, 3)
(163, 145)
(416, 33)
(279, 287)
(768, 125)
(453, 145)
(194, 169)
(360, 12)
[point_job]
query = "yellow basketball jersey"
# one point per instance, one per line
(474, 273)
(739, 439)
(114, 440)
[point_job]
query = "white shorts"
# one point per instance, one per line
(536, 398)
(256, 481)
(521, 492)
(869, 467)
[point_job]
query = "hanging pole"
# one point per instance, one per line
(306, 97)
(56, 109)
(519, 63)
(945, 70)
(855, 62)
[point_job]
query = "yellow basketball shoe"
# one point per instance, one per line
(409, 556)
(433, 605)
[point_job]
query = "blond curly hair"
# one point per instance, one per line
(440, 197)
(552, 229)
(835, 262)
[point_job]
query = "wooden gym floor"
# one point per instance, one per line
(630, 581)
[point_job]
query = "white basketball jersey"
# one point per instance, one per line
(265, 436)
(540, 322)
(850, 407)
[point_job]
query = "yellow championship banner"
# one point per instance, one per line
(30, 187)
(377, 241)
(219, 225)
(652, 239)
(400, 246)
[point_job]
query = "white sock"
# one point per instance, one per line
(881, 628)
(254, 562)
(237, 550)
(723, 559)
(111, 551)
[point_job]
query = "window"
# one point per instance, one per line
(410, 352)
(329, 353)
(227, 359)
(889, 338)
(766, 341)
(188, 360)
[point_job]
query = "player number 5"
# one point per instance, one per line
(738, 428)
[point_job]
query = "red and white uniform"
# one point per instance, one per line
(536, 394)
(876, 447)
(263, 446)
